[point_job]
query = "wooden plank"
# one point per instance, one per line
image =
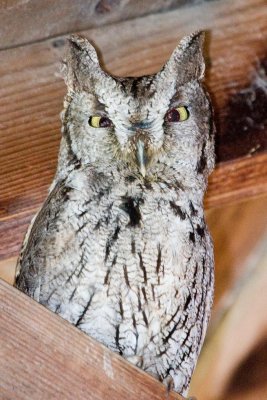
(31, 20)
(237, 180)
(44, 357)
(31, 94)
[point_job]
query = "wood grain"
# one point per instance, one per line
(237, 180)
(44, 357)
(31, 94)
(31, 20)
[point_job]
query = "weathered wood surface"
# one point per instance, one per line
(31, 20)
(31, 94)
(44, 357)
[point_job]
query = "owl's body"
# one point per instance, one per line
(120, 248)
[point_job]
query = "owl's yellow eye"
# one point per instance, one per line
(178, 114)
(99, 122)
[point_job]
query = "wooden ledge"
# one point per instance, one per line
(44, 357)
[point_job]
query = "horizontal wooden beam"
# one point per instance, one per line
(44, 357)
(31, 20)
(237, 180)
(31, 95)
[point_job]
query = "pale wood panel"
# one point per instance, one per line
(44, 357)
(31, 94)
(240, 330)
(236, 230)
(7, 270)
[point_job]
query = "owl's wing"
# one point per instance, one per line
(31, 266)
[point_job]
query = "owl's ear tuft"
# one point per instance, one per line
(81, 65)
(187, 60)
(82, 48)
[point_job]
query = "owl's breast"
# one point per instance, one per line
(124, 269)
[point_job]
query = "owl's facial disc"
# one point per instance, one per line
(133, 124)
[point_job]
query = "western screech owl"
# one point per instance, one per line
(120, 247)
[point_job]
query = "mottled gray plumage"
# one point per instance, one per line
(120, 247)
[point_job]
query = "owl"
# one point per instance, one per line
(120, 247)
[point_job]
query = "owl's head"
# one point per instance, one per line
(156, 127)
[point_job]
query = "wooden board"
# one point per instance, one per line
(31, 20)
(237, 180)
(31, 94)
(44, 357)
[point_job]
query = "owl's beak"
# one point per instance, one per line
(141, 157)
